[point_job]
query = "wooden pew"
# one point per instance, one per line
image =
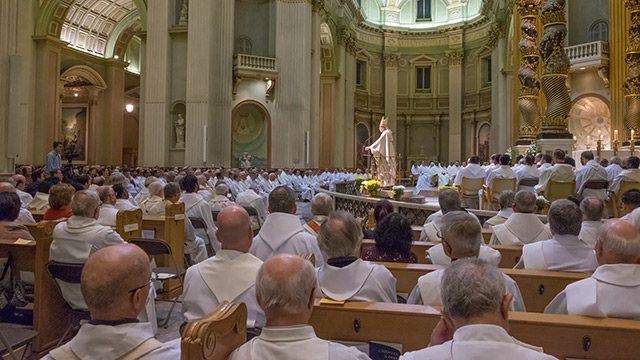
(411, 325)
(538, 287)
(417, 230)
(37, 214)
(510, 254)
(129, 224)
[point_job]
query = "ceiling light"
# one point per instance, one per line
(129, 108)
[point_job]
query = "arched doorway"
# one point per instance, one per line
(588, 115)
(250, 136)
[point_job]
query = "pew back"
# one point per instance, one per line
(129, 224)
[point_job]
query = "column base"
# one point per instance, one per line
(547, 146)
(522, 148)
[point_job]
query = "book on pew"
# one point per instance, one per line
(376, 350)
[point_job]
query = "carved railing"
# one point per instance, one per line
(590, 54)
(253, 62)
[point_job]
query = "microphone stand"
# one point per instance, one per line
(368, 156)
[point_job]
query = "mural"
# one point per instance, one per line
(587, 116)
(74, 131)
(250, 134)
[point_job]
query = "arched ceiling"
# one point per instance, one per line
(89, 24)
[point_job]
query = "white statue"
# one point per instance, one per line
(179, 125)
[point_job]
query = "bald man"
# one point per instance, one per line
(21, 184)
(25, 216)
(285, 289)
(613, 289)
(228, 276)
(108, 211)
(115, 285)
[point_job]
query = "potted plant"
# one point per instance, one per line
(372, 187)
(398, 191)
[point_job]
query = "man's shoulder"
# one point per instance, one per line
(342, 352)
(169, 350)
(430, 278)
(437, 352)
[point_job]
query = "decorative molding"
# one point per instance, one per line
(455, 58)
(390, 59)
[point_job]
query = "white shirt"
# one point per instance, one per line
(480, 342)
(526, 172)
(251, 199)
(228, 276)
(25, 198)
(125, 205)
(294, 342)
(591, 171)
(219, 202)
(560, 253)
(612, 171)
(108, 215)
(283, 233)
(471, 171)
(625, 175)
(520, 229)
(557, 172)
(589, 231)
(359, 280)
(196, 206)
(612, 291)
(500, 172)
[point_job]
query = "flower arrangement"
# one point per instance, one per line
(398, 191)
(534, 148)
(371, 186)
(358, 183)
(541, 203)
(512, 151)
(245, 161)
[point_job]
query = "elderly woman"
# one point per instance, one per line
(156, 196)
(382, 209)
(393, 241)
(345, 277)
(59, 202)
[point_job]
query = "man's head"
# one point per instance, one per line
(506, 199)
(115, 282)
(57, 146)
(546, 159)
(322, 204)
(189, 184)
(630, 200)
(615, 160)
(285, 289)
(37, 175)
(172, 192)
(585, 157)
(85, 204)
(222, 189)
(529, 160)
(524, 202)
(234, 228)
(618, 242)
(633, 162)
(106, 194)
(505, 159)
(461, 235)
(156, 189)
(83, 180)
(98, 181)
(495, 159)
(121, 192)
(449, 200)
(117, 178)
(565, 218)
(340, 235)
(592, 209)
(9, 205)
(282, 200)
(558, 156)
(21, 181)
(473, 292)
(474, 160)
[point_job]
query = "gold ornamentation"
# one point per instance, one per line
(528, 7)
(455, 58)
(631, 86)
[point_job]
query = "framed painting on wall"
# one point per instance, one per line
(75, 132)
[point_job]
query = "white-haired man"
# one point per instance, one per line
(285, 289)
(505, 200)
(156, 196)
(475, 318)
(251, 198)
(592, 211)
(523, 226)
(221, 200)
(321, 207)
(461, 239)
(108, 211)
(613, 289)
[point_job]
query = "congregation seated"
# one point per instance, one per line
(461, 239)
(472, 171)
(630, 202)
(221, 200)
(614, 288)
(79, 237)
(197, 207)
(108, 211)
(559, 172)
(564, 251)
(40, 200)
(285, 290)
(20, 184)
(630, 174)
(449, 200)
(321, 207)
(59, 202)
(115, 285)
(251, 198)
(505, 200)
(475, 318)
(230, 275)
(380, 211)
(118, 178)
(155, 197)
(590, 171)
(592, 211)
(501, 171)
(10, 229)
(523, 226)
(344, 276)
(122, 199)
(393, 236)
(282, 231)
(96, 182)
(528, 170)
(613, 169)
(144, 192)
(24, 215)
(37, 176)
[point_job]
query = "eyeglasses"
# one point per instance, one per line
(140, 287)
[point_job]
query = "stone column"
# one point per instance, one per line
(391, 88)
(618, 38)
(528, 72)
(455, 104)
(631, 85)
(9, 118)
(437, 124)
(314, 84)
(112, 120)
(338, 130)
(96, 141)
(155, 122)
(349, 103)
(221, 79)
(407, 137)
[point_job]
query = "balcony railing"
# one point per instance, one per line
(256, 62)
(593, 54)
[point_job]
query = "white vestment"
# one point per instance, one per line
(40, 202)
(543, 168)
(557, 172)
(283, 233)
(499, 219)
(437, 256)
(612, 171)
(471, 171)
(313, 226)
(151, 202)
(197, 207)
(589, 231)
(384, 153)
(500, 172)
(560, 253)
(251, 199)
(427, 292)
(359, 280)
(142, 195)
(219, 202)
(480, 342)
(294, 342)
(25, 198)
(612, 291)
(629, 175)
(520, 229)
(108, 214)
(125, 205)
(228, 276)
(128, 341)
(591, 171)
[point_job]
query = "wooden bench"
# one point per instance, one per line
(417, 230)
(411, 325)
(538, 287)
(510, 254)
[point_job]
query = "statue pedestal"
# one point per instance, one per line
(176, 157)
(549, 145)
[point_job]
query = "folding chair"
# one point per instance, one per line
(68, 273)
(157, 247)
(15, 342)
(498, 186)
(470, 188)
(198, 223)
(254, 213)
(527, 183)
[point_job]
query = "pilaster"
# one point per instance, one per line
(618, 34)
(112, 120)
(455, 59)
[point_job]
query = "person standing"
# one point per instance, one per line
(54, 159)
(384, 153)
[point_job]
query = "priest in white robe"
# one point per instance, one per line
(108, 211)
(344, 276)
(321, 207)
(613, 169)
(505, 200)
(285, 288)
(144, 193)
(592, 210)
(228, 276)
(590, 170)
(632, 174)
(528, 170)
(221, 200)
(564, 251)
(122, 199)
(197, 207)
(384, 154)
(613, 289)
(472, 171)
(523, 226)
(475, 318)
(252, 198)
(282, 231)
(116, 285)
(461, 239)
(156, 196)
(560, 172)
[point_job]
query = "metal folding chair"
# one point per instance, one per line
(68, 273)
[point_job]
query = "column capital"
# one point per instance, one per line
(528, 7)
(317, 6)
(390, 59)
(456, 58)
(633, 5)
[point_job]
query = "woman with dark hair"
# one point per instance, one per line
(10, 229)
(393, 237)
(382, 209)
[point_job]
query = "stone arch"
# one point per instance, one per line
(122, 35)
(83, 72)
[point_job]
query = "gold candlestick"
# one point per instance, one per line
(632, 147)
(598, 147)
(615, 145)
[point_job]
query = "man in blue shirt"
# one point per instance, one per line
(54, 160)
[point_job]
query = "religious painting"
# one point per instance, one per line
(250, 134)
(75, 132)
(484, 140)
(362, 134)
